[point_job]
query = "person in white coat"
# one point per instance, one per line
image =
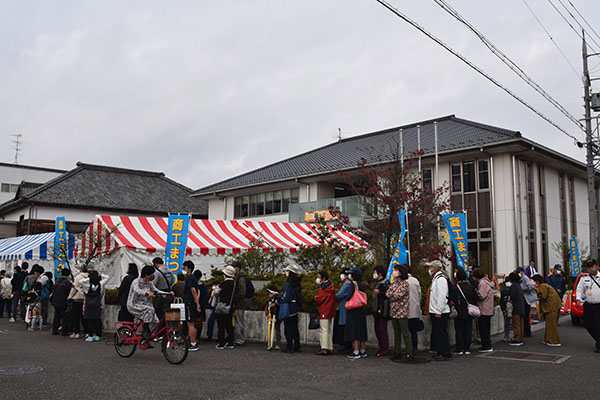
(439, 310)
(414, 309)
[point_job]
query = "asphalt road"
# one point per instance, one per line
(74, 369)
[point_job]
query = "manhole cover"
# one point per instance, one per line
(531, 357)
(20, 370)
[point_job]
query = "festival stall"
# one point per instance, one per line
(35, 249)
(114, 241)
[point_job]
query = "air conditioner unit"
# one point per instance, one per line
(596, 102)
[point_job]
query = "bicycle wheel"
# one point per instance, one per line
(175, 347)
(124, 349)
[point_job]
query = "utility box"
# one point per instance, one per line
(595, 102)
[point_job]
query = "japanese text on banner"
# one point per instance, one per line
(60, 246)
(574, 257)
(457, 229)
(177, 236)
(400, 254)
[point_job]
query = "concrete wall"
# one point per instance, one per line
(15, 175)
(256, 327)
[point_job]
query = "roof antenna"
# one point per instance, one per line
(17, 142)
(339, 134)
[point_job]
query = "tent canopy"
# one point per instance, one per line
(206, 237)
(32, 247)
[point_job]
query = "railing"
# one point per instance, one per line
(351, 207)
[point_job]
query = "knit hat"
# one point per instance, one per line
(229, 271)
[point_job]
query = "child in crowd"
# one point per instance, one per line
(34, 302)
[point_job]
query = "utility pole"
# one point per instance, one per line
(590, 155)
(17, 142)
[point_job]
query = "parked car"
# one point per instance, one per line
(576, 311)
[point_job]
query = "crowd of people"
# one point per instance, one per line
(146, 295)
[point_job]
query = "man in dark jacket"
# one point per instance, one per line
(519, 310)
(62, 288)
(325, 300)
(557, 280)
(17, 289)
(241, 303)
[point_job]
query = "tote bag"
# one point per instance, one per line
(358, 299)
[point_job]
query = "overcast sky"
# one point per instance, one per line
(205, 90)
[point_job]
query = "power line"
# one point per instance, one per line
(568, 23)
(473, 66)
(576, 20)
(508, 62)
(552, 39)
(584, 20)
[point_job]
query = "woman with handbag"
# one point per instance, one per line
(291, 301)
(463, 324)
(485, 292)
(356, 320)
(224, 309)
(399, 295)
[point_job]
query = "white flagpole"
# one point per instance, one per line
(401, 149)
(419, 144)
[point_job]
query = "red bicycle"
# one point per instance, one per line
(174, 344)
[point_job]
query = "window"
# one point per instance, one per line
(427, 180)
(268, 203)
(572, 213)
(9, 188)
(484, 176)
(456, 181)
(469, 176)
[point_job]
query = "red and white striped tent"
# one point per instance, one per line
(138, 239)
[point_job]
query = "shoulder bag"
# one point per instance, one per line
(472, 309)
(222, 308)
(358, 299)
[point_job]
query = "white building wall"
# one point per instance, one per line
(504, 217)
(216, 208)
(15, 175)
(582, 212)
(553, 214)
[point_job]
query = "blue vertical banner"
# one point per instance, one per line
(60, 246)
(574, 257)
(457, 229)
(177, 235)
(400, 254)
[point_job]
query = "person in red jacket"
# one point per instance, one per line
(325, 300)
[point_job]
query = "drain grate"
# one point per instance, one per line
(20, 370)
(531, 357)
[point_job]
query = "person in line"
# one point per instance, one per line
(226, 292)
(340, 325)
(34, 302)
(17, 284)
(588, 294)
(399, 295)
(414, 309)
(485, 292)
(439, 310)
(530, 270)
(179, 286)
(139, 302)
(381, 311)
(28, 281)
(518, 309)
(292, 295)
(212, 301)
(463, 324)
(191, 299)
(203, 299)
(325, 300)
(6, 294)
(94, 287)
(530, 299)
(132, 275)
(356, 320)
(557, 280)
(274, 306)
(163, 280)
(76, 297)
(507, 309)
(46, 292)
(550, 304)
(58, 299)
(242, 301)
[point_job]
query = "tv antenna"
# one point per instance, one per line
(17, 141)
(339, 134)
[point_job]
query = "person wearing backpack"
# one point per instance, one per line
(463, 324)
(485, 292)
(163, 281)
(242, 301)
(381, 311)
(439, 310)
(6, 294)
(59, 301)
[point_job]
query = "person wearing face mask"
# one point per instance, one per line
(325, 300)
(550, 305)
(485, 292)
(588, 293)
(507, 309)
(530, 296)
(557, 280)
(340, 297)
(463, 324)
(439, 310)
(191, 299)
(356, 320)
(381, 310)
(399, 295)
(518, 309)
(414, 309)
(292, 295)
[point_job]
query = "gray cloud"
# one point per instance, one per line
(233, 86)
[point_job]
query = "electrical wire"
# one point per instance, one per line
(568, 23)
(508, 62)
(473, 66)
(584, 20)
(576, 21)
(553, 41)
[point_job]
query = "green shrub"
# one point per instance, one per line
(111, 297)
